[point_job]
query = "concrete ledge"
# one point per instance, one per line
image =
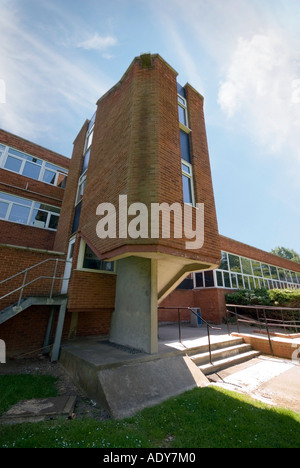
(282, 347)
(291, 336)
(125, 388)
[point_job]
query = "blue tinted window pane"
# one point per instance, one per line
(92, 121)
(31, 170)
(187, 192)
(34, 160)
(182, 115)
(3, 209)
(186, 168)
(76, 217)
(49, 176)
(180, 90)
(19, 214)
(13, 164)
(12, 198)
(55, 168)
(17, 153)
(85, 161)
(185, 146)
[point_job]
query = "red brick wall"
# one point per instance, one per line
(26, 236)
(211, 301)
(91, 290)
(25, 333)
(94, 322)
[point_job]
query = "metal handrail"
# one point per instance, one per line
(27, 283)
(266, 321)
(208, 326)
(34, 266)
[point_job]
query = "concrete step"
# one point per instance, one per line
(214, 346)
(221, 364)
(221, 353)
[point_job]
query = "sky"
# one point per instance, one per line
(58, 57)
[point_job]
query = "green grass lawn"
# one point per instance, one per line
(208, 417)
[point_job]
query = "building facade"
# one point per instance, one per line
(88, 222)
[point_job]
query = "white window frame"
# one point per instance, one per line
(31, 207)
(183, 104)
(80, 261)
(80, 187)
(259, 280)
(4, 154)
(189, 175)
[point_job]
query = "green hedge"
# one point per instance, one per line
(268, 297)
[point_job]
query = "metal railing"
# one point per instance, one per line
(26, 283)
(263, 321)
(192, 309)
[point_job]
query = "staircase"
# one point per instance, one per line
(224, 354)
(49, 299)
(18, 307)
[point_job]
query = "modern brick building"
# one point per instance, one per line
(145, 146)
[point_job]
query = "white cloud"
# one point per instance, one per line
(262, 89)
(97, 42)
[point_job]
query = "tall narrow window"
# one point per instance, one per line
(187, 183)
(82, 178)
(186, 166)
(182, 111)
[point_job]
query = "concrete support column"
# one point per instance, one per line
(134, 320)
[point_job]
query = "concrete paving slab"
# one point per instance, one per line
(35, 410)
(272, 380)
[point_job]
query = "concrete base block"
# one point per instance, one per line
(132, 387)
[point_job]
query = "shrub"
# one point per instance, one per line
(247, 297)
(285, 297)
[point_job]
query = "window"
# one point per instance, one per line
(187, 183)
(251, 274)
(30, 166)
(24, 211)
(234, 262)
(45, 216)
(182, 111)
(87, 260)
(80, 189)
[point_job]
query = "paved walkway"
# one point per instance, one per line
(269, 379)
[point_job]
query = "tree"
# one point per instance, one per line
(289, 254)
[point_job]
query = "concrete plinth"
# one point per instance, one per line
(134, 320)
(124, 383)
